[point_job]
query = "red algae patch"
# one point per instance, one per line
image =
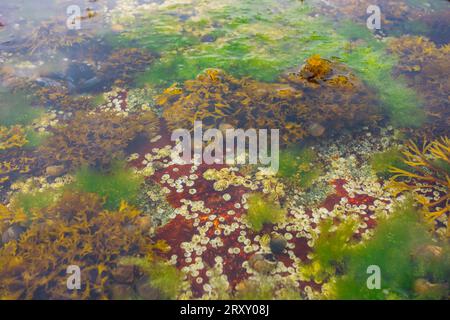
(209, 236)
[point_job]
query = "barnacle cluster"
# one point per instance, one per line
(74, 231)
(425, 66)
(95, 139)
(427, 176)
(152, 200)
(322, 94)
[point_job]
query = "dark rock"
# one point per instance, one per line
(92, 84)
(55, 75)
(79, 72)
(277, 244)
(10, 45)
(316, 129)
(48, 82)
(12, 233)
(270, 257)
(54, 171)
(208, 38)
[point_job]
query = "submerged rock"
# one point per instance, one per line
(12, 233)
(208, 38)
(48, 82)
(277, 244)
(426, 289)
(54, 171)
(316, 130)
(79, 72)
(94, 83)
(262, 263)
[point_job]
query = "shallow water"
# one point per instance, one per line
(87, 178)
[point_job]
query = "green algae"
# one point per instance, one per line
(162, 275)
(395, 241)
(334, 243)
(16, 108)
(35, 139)
(297, 166)
(262, 41)
(371, 61)
(262, 211)
(382, 162)
(167, 278)
(396, 248)
(33, 201)
(118, 185)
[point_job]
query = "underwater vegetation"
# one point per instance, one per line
(15, 108)
(241, 37)
(299, 166)
(398, 16)
(407, 256)
(86, 176)
(116, 68)
(74, 231)
(165, 278)
(14, 159)
(412, 264)
(35, 138)
(323, 94)
(382, 162)
(59, 98)
(34, 200)
(425, 67)
(262, 211)
(428, 171)
(117, 185)
(53, 35)
(265, 288)
(13, 137)
(370, 59)
(95, 139)
(121, 66)
(245, 39)
(331, 247)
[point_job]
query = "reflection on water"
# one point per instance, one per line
(87, 179)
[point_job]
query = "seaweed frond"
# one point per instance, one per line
(428, 169)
